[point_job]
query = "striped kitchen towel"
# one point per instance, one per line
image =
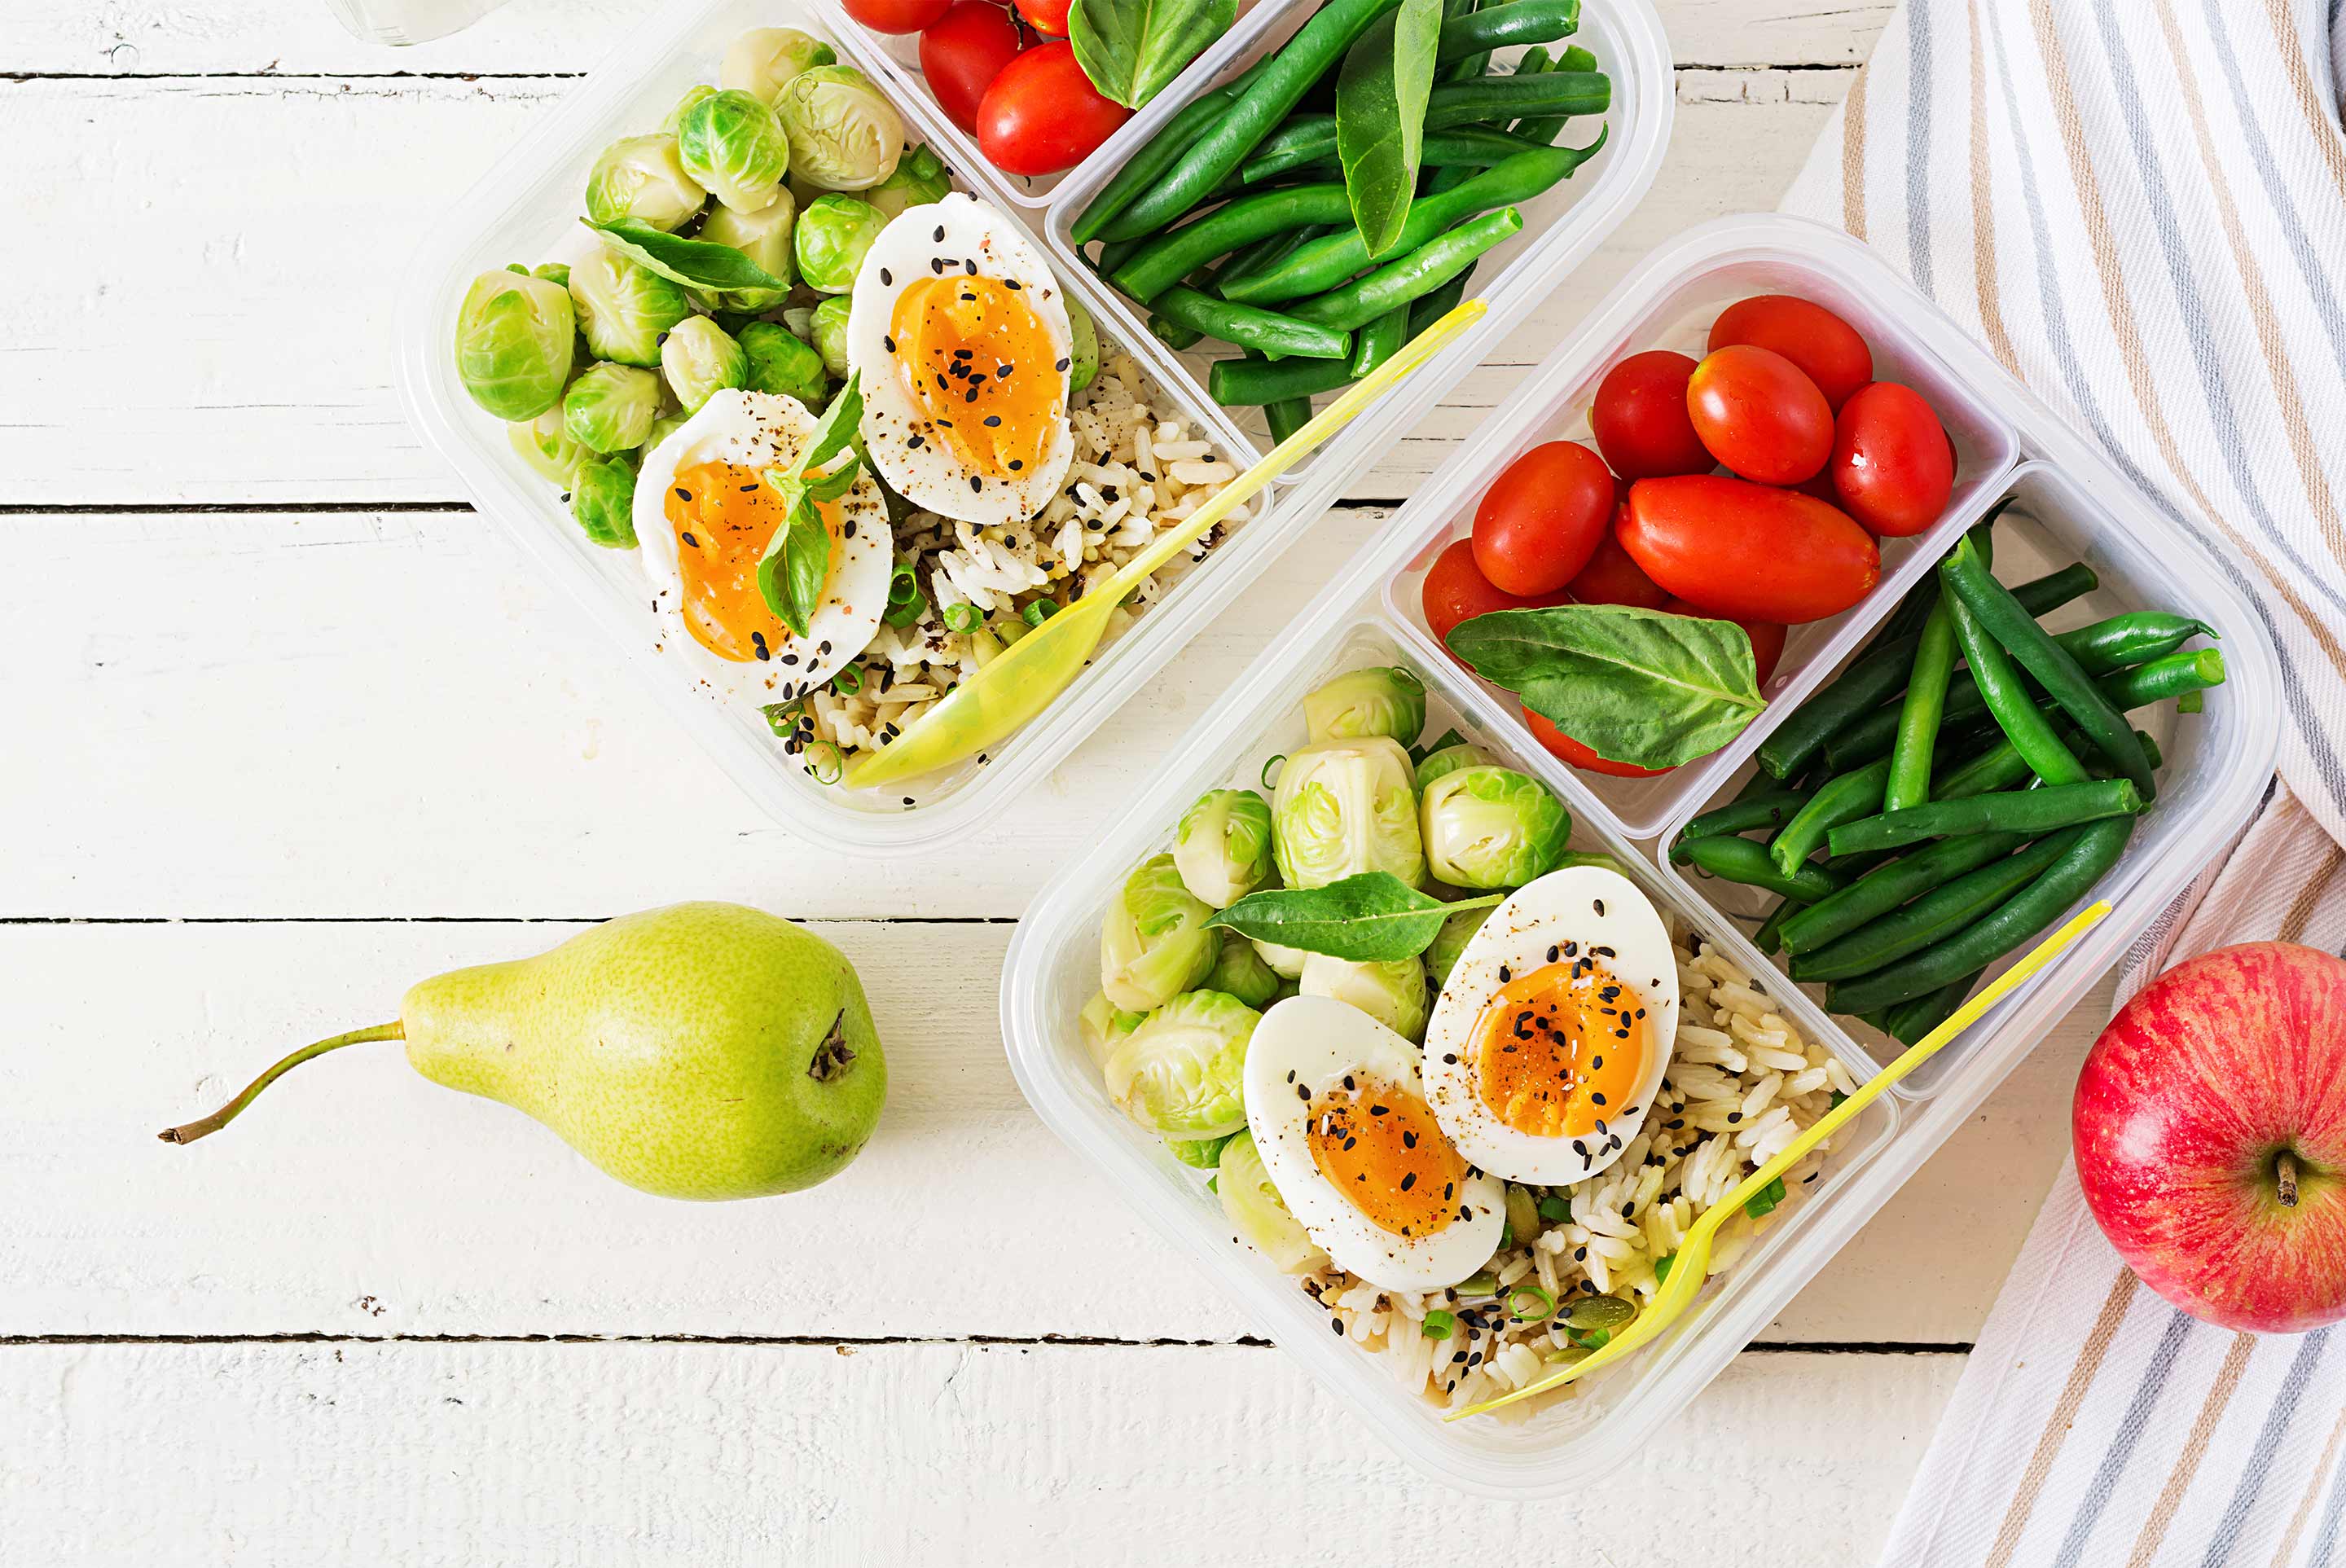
(2140, 207)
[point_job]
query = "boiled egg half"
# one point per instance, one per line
(703, 518)
(1339, 1117)
(1551, 1036)
(960, 333)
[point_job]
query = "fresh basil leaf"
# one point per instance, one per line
(1380, 99)
(1634, 685)
(1132, 48)
(837, 482)
(695, 264)
(836, 428)
(1371, 917)
(806, 565)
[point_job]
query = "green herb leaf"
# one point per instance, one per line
(831, 486)
(1635, 686)
(836, 428)
(1380, 99)
(1765, 1200)
(1662, 1267)
(695, 264)
(1371, 917)
(1132, 48)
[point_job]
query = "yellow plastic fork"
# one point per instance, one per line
(1021, 680)
(1692, 1264)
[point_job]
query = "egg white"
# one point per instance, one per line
(1319, 1040)
(1548, 912)
(763, 430)
(912, 455)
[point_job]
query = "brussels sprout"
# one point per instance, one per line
(1202, 1153)
(1491, 828)
(553, 272)
(1450, 942)
(829, 327)
(643, 178)
(919, 179)
(667, 424)
(513, 343)
(1392, 993)
(623, 309)
(1365, 702)
(1256, 1211)
(692, 95)
(764, 237)
(1240, 972)
(1223, 846)
(1083, 358)
(611, 407)
(603, 499)
(1344, 807)
(779, 363)
(699, 359)
(1179, 1072)
(731, 143)
(844, 134)
(544, 446)
(1155, 943)
(1449, 760)
(834, 235)
(762, 61)
(1287, 962)
(1104, 1026)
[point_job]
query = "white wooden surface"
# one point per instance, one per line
(286, 725)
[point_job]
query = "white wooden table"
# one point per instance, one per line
(286, 725)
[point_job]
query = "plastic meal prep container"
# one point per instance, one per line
(2217, 763)
(526, 209)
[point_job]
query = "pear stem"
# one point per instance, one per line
(227, 1113)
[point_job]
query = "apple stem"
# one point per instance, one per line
(227, 1113)
(2285, 1176)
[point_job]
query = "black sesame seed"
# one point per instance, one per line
(1060, 366)
(912, 444)
(1408, 1180)
(689, 539)
(1016, 464)
(1733, 1117)
(884, 280)
(975, 484)
(940, 236)
(937, 263)
(992, 418)
(1599, 904)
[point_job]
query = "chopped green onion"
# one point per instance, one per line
(848, 681)
(1594, 1338)
(2191, 702)
(1507, 1236)
(827, 768)
(1037, 611)
(1529, 1304)
(1837, 1099)
(1484, 1283)
(903, 588)
(1437, 1324)
(1270, 763)
(1553, 1210)
(964, 617)
(781, 717)
(1662, 1267)
(1765, 1200)
(905, 614)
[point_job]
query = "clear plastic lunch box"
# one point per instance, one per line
(2078, 507)
(526, 209)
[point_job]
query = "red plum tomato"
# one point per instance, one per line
(1455, 590)
(1760, 414)
(1611, 577)
(896, 16)
(1565, 746)
(1749, 552)
(961, 54)
(1640, 418)
(1828, 350)
(1043, 114)
(1893, 465)
(1543, 518)
(1048, 17)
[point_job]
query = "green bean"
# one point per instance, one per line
(1326, 262)
(1419, 272)
(1453, 13)
(1173, 334)
(1744, 860)
(1933, 917)
(1430, 307)
(1379, 340)
(1766, 809)
(1769, 937)
(2028, 811)
(1244, 383)
(1308, 138)
(1250, 326)
(2160, 678)
(1546, 127)
(1919, 715)
(1910, 1023)
(1521, 22)
(1879, 892)
(2012, 703)
(1287, 416)
(1165, 260)
(1149, 165)
(1263, 252)
(1844, 799)
(2028, 911)
(1265, 100)
(2001, 618)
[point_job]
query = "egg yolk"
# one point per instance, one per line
(978, 361)
(1559, 1049)
(723, 515)
(1379, 1147)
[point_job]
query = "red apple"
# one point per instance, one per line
(2210, 1134)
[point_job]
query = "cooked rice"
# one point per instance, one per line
(1138, 468)
(1742, 1085)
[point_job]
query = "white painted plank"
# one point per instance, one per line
(355, 1198)
(656, 1454)
(218, 331)
(290, 36)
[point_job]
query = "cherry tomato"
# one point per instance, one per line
(1043, 114)
(1827, 348)
(1761, 415)
(896, 16)
(1741, 550)
(1640, 420)
(1561, 745)
(1612, 578)
(1455, 590)
(1541, 520)
(1892, 463)
(1767, 636)
(961, 54)
(1048, 17)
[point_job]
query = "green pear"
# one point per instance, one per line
(699, 1051)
